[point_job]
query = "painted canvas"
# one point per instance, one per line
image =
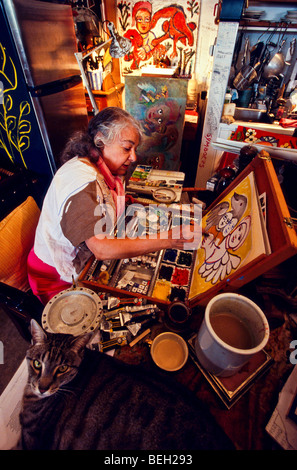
(160, 32)
(235, 236)
(159, 105)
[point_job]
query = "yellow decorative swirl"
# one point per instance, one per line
(14, 129)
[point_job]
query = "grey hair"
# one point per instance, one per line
(106, 126)
(103, 129)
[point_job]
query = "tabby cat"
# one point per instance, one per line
(77, 398)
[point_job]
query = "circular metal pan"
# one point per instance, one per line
(164, 195)
(72, 311)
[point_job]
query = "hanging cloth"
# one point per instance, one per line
(115, 185)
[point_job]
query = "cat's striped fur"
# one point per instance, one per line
(81, 399)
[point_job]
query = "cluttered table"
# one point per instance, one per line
(245, 418)
(246, 404)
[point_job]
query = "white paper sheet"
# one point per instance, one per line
(280, 426)
(10, 406)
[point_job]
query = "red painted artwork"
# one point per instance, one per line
(158, 34)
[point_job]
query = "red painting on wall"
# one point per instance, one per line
(162, 35)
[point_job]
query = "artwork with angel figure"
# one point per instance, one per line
(230, 241)
(159, 105)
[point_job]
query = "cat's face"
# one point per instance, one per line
(53, 360)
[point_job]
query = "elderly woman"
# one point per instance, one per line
(68, 232)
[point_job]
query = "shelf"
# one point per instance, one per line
(104, 98)
(291, 28)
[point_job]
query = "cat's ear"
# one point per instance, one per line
(38, 334)
(80, 342)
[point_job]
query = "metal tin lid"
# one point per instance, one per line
(166, 195)
(72, 311)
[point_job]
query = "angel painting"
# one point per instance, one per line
(225, 233)
(220, 259)
(230, 230)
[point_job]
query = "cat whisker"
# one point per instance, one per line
(64, 390)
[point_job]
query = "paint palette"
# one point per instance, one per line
(141, 220)
(174, 275)
(162, 185)
(165, 274)
(136, 274)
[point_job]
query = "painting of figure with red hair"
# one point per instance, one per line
(157, 33)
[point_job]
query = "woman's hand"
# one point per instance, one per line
(185, 237)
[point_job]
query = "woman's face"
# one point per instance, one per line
(120, 154)
(143, 21)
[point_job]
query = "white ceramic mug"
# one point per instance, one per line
(214, 354)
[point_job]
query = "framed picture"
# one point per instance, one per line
(235, 236)
(159, 105)
(231, 389)
(161, 32)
